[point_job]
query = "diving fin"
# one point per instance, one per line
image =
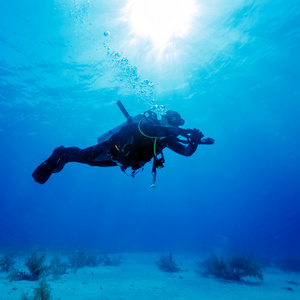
(43, 172)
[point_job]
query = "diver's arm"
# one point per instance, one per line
(175, 145)
(162, 131)
(193, 137)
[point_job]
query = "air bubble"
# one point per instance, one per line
(106, 33)
(128, 75)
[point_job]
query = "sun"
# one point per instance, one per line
(161, 20)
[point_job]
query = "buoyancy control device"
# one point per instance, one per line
(157, 162)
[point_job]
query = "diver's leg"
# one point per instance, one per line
(62, 155)
(85, 156)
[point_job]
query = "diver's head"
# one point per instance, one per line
(173, 118)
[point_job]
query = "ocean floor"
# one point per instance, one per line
(137, 277)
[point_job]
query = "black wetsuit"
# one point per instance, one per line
(133, 146)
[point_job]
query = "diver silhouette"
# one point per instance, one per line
(132, 144)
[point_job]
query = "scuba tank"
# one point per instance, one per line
(107, 135)
(130, 120)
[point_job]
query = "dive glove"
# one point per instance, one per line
(196, 136)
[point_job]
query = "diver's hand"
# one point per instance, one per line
(207, 141)
(196, 136)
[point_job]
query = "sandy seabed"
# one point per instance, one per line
(139, 278)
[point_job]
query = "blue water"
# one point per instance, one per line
(235, 76)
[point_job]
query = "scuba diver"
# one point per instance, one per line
(132, 144)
